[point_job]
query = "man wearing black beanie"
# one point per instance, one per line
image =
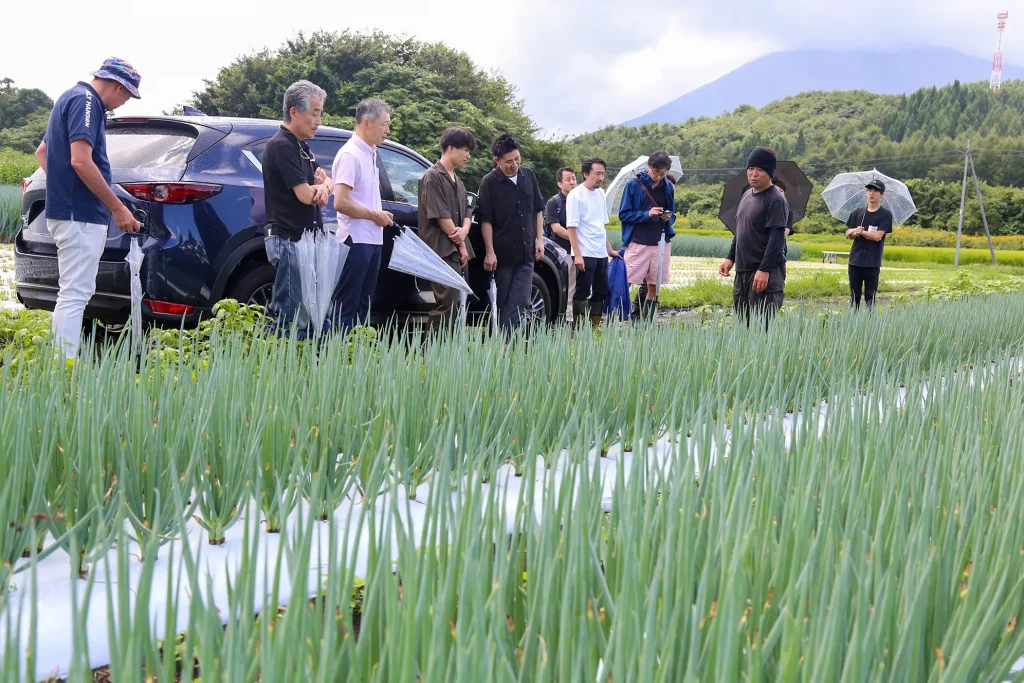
(758, 247)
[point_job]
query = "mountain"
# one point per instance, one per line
(781, 74)
(917, 135)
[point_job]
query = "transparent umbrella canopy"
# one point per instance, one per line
(846, 193)
(614, 191)
(412, 256)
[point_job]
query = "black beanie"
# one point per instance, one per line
(764, 159)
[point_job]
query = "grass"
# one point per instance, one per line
(10, 212)
(810, 550)
(15, 166)
(920, 255)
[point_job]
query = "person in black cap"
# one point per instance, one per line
(79, 200)
(867, 227)
(758, 248)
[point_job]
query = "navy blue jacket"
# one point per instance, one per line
(632, 211)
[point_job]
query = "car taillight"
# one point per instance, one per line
(171, 193)
(25, 182)
(168, 307)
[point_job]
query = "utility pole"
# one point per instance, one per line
(969, 165)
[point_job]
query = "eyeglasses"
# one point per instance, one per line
(306, 153)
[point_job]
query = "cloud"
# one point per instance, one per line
(578, 66)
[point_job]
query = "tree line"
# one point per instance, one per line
(921, 135)
(431, 86)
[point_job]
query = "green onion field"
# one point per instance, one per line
(835, 499)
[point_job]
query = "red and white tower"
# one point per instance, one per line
(997, 60)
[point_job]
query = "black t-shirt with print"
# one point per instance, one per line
(866, 253)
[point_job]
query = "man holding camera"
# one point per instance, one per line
(647, 212)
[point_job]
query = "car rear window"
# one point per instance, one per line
(140, 146)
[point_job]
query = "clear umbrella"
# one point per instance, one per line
(134, 259)
(321, 259)
(412, 256)
(846, 193)
(492, 294)
(613, 194)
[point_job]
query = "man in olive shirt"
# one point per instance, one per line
(510, 209)
(444, 216)
(758, 249)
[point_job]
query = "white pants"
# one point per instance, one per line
(79, 247)
(572, 288)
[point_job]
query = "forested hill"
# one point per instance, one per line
(827, 132)
(429, 85)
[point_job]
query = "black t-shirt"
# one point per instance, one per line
(760, 240)
(865, 253)
(555, 213)
(288, 162)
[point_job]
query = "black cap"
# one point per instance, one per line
(876, 185)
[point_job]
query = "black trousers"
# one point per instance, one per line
(746, 302)
(592, 282)
(863, 281)
(514, 283)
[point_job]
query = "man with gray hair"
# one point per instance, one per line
(295, 189)
(361, 218)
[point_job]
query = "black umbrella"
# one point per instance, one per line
(798, 192)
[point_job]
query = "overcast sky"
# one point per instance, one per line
(578, 66)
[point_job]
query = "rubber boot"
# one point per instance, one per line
(596, 309)
(636, 312)
(651, 310)
(580, 310)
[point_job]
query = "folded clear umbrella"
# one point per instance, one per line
(613, 195)
(412, 256)
(134, 259)
(492, 294)
(321, 259)
(846, 193)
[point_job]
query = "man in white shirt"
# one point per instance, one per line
(586, 215)
(361, 218)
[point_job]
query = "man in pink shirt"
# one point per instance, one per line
(361, 218)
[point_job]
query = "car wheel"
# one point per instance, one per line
(540, 307)
(255, 285)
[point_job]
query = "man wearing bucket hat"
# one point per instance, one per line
(867, 227)
(758, 249)
(79, 200)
